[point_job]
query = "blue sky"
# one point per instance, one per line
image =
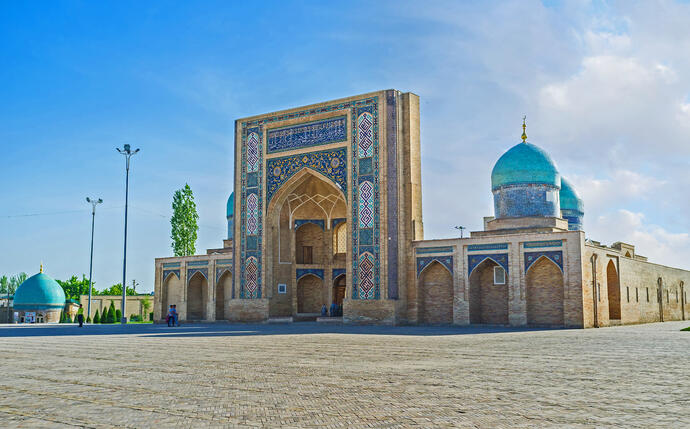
(605, 87)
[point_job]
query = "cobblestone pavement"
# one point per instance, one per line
(309, 375)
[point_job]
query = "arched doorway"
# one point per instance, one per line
(614, 291)
(489, 294)
(310, 296)
(171, 293)
(339, 289)
(223, 293)
(196, 297)
(544, 281)
(436, 295)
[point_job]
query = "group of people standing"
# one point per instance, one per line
(172, 317)
(336, 310)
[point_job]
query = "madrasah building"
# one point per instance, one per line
(329, 209)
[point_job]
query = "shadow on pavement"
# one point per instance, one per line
(233, 330)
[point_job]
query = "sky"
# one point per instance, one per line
(605, 87)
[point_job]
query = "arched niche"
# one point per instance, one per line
(489, 294)
(435, 294)
(544, 290)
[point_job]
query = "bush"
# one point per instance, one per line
(96, 317)
(135, 318)
(111, 314)
(151, 316)
(88, 319)
(118, 315)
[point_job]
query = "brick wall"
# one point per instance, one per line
(544, 282)
(436, 295)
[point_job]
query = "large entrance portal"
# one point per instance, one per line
(307, 235)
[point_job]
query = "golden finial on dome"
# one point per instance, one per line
(41, 267)
(524, 127)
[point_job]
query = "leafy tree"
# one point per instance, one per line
(12, 283)
(116, 289)
(146, 304)
(96, 317)
(184, 222)
(74, 287)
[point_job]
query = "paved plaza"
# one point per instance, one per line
(309, 375)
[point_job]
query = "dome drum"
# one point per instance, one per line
(528, 200)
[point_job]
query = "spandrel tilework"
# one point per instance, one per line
(315, 133)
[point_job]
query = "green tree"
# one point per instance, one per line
(11, 283)
(184, 222)
(145, 305)
(104, 316)
(96, 317)
(116, 289)
(118, 315)
(74, 287)
(88, 319)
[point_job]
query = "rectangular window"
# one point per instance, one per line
(627, 292)
(499, 276)
(637, 295)
(647, 293)
(282, 288)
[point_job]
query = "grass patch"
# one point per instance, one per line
(686, 329)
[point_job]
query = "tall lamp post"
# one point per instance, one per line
(127, 152)
(93, 202)
(461, 229)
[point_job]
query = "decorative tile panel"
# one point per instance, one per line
(301, 272)
(197, 263)
(474, 260)
(315, 133)
(338, 272)
(223, 261)
(330, 163)
(365, 132)
(220, 271)
(366, 204)
(555, 255)
(166, 273)
(391, 109)
(192, 271)
(423, 262)
(366, 276)
(422, 250)
(336, 222)
(490, 246)
(171, 265)
(253, 152)
(251, 284)
(538, 244)
(252, 214)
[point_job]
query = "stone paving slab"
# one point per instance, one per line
(332, 376)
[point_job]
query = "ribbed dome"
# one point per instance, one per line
(39, 292)
(231, 205)
(570, 200)
(525, 163)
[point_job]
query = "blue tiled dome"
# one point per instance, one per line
(231, 205)
(570, 200)
(525, 163)
(39, 292)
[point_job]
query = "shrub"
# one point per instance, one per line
(96, 317)
(111, 314)
(118, 315)
(151, 316)
(135, 318)
(88, 319)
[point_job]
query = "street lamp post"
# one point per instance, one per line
(127, 152)
(461, 229)
(93, 202)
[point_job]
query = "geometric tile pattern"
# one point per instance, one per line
(474, 260)
(252, 214)
(366, 276)
(330, 163)
(192, 271)
(326, 131)
(171, 265)
(423, 262)
(252, 152)
(366, 201)
(556, 256)
(251, 204)
(251, 286)
(166, 273)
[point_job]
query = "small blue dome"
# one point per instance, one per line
(231, 205)
(525, 163)
(39, 292)
(570, 200)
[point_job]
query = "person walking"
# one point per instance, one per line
(170, 317)
(80, 315)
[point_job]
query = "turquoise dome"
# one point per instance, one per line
(231, 205)
(570, 200)
(39, 292)
(525, 163)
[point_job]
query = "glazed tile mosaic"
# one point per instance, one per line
(305, 135)
(532, 257)
(423, 262)
(499, 258)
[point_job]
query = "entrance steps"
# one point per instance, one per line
(329, 319)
